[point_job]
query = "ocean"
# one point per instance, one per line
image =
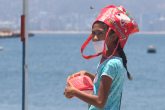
(52, 57)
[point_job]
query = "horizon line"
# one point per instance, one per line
(83, 32)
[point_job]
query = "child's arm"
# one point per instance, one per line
(96, 100)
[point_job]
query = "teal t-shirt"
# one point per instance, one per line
(114, 69)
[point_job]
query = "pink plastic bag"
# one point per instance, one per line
(82, 82)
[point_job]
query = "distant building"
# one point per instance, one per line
(5, 32)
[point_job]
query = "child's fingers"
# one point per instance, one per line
(69, 84)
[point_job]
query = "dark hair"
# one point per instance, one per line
(123, 56)
(99, 22)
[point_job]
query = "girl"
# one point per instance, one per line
(109, 34)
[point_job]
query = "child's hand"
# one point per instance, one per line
(69, 91)
(69, 96)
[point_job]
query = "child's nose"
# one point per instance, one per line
(95, 38)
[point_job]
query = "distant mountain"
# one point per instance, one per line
(78, 15)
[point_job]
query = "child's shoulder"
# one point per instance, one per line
(114, 60)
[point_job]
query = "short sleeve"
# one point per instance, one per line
(109, 70)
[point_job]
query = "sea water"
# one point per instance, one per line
(52, 57)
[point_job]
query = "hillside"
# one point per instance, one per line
(77, 15)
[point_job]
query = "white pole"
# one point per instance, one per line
(24, 35)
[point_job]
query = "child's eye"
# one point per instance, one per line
(97, 32)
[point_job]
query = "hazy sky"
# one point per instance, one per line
(79, 6)
(11, 10)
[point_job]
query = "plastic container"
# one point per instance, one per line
(82, 82)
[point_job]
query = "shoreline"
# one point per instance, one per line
(32, 33)
(60, 32)
(88, 32)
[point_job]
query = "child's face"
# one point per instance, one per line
(99, 33)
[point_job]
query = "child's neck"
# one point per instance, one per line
(108, 55)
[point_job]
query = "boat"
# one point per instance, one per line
(8, 33)
(5, 33)
(1, 48)
(151, 49)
